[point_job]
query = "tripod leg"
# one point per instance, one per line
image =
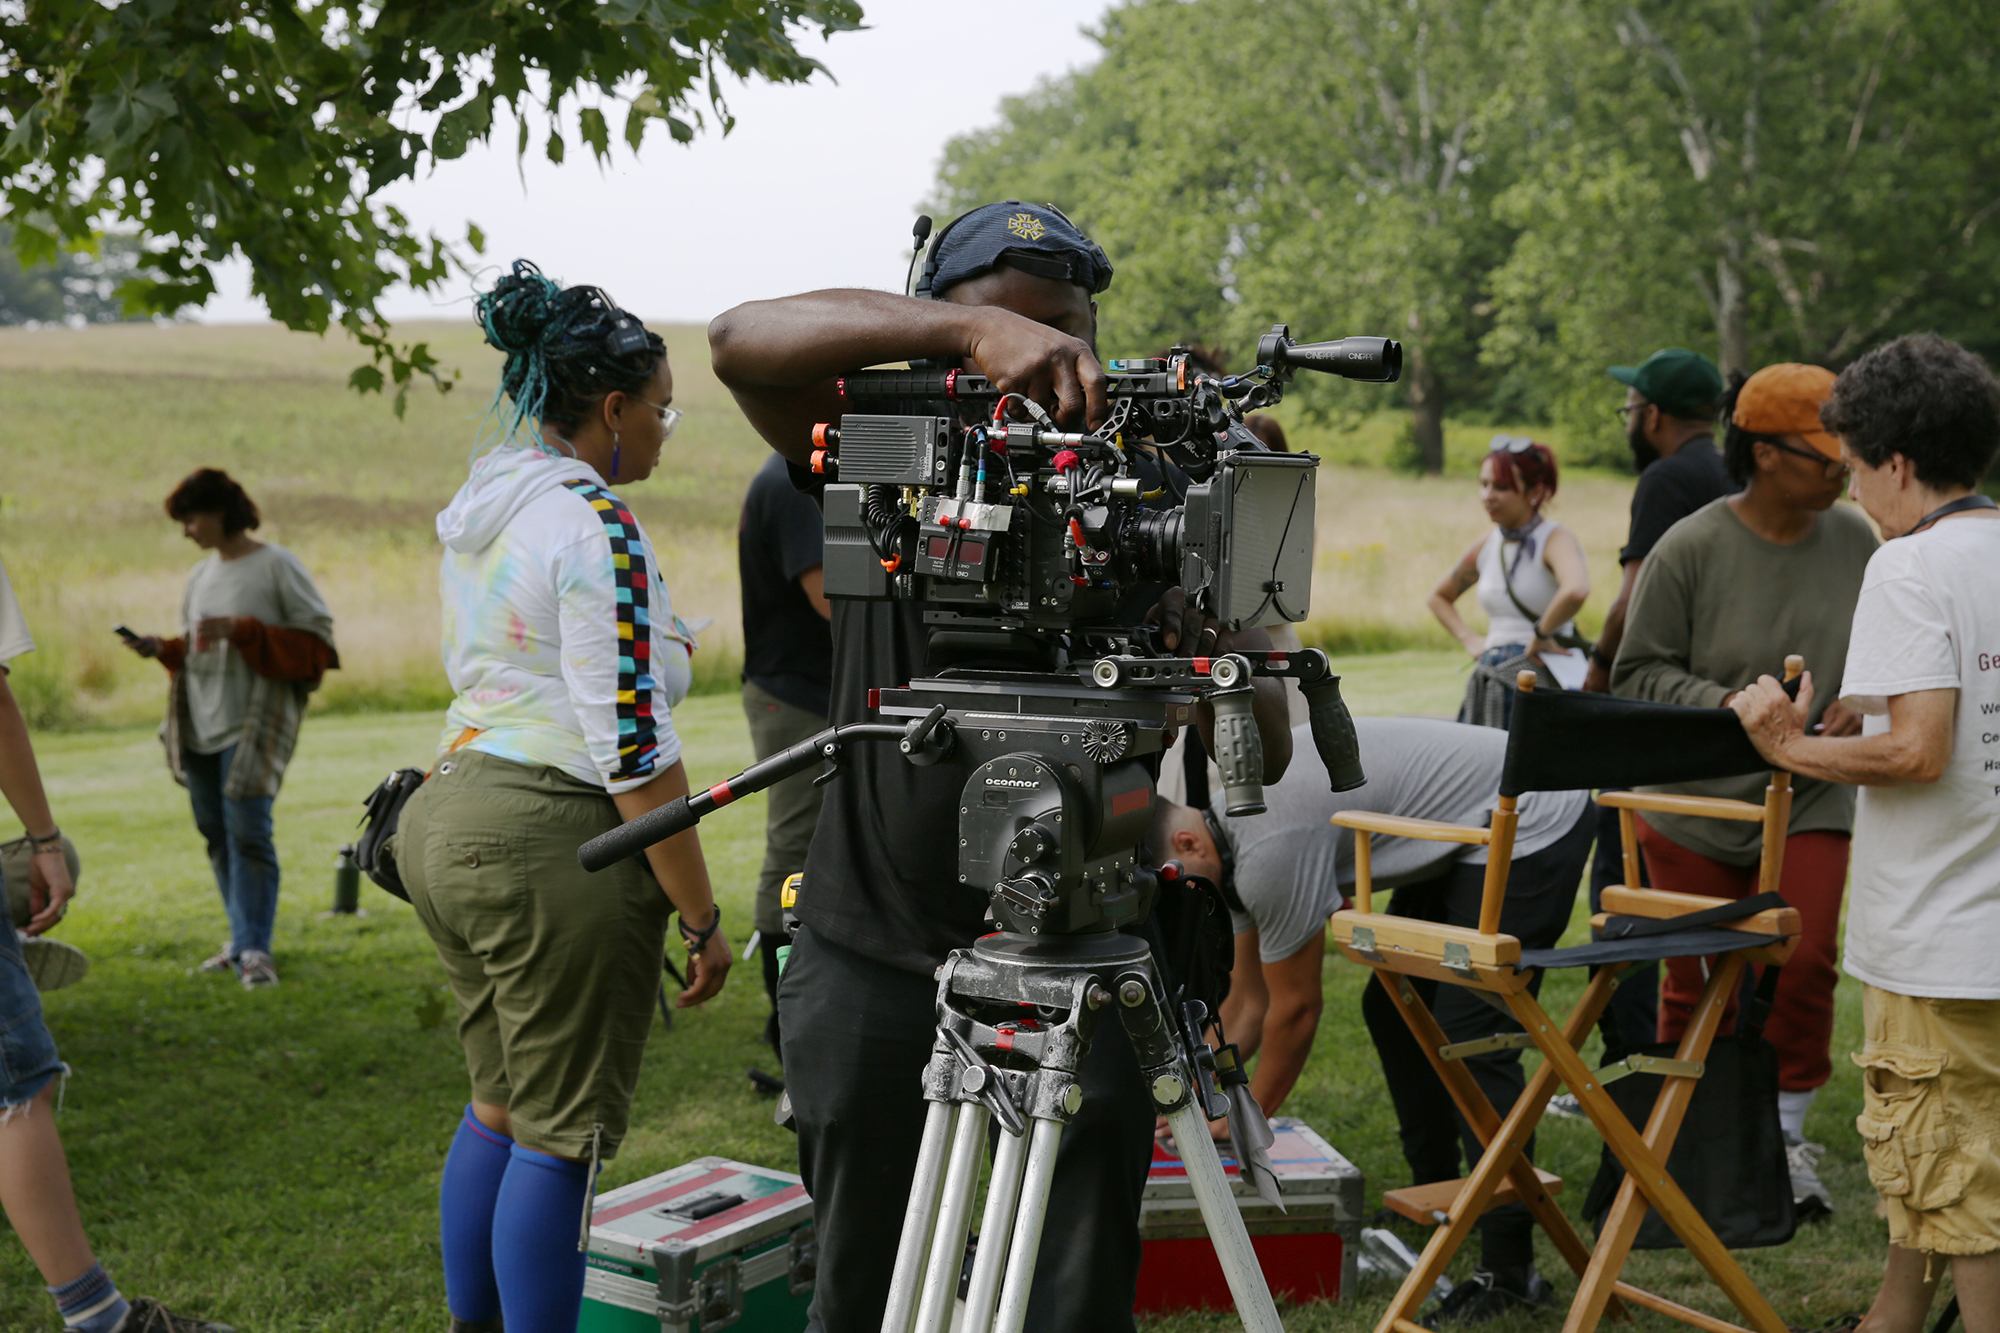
(1225, 1225)
(918, 1217)
(1026, 1241)
(947, 1258)
(995, 1227)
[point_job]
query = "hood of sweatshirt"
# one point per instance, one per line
(502, 481)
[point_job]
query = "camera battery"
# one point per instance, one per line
(710, 1245)
(1308, 1251)
(893, 451)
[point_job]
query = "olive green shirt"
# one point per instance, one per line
(1717, 606)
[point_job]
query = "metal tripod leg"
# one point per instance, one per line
(1003, 1193)
(918, 1218)
(1225, 1224)
(947, 1254)
(1025, 1242)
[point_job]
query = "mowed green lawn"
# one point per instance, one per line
(272, 1158)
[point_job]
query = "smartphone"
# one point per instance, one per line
(125, 634)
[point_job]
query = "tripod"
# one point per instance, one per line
(1033, 1004)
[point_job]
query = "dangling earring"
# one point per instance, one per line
(615, 451)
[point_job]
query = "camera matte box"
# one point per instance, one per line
(1307, 1251)
(708, 1246)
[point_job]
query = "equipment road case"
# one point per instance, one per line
(711, 1245)
(1307, 1251)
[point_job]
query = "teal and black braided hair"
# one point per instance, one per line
(566, 348)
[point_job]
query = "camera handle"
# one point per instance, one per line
(922, 740)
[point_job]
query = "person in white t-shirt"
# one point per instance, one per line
(1919, 424)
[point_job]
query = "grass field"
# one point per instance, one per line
(104, 421)
(272, 1157)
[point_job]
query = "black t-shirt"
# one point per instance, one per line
(882, 875)
(787, 646)
(1670, 490)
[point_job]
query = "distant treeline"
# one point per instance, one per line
(1525, 191)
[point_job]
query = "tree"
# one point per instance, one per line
(266, 129)
(1778, 179)
(78, 286)
(1245, 161)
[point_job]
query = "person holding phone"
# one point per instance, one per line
(256, 640)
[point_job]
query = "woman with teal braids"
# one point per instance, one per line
(565, 657)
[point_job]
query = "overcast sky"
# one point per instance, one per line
(816, 187)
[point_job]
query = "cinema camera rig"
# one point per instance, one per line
(1024, 543)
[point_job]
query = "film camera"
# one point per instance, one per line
(1034, 552)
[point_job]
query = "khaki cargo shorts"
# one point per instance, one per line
(555, 971)
(1930, 1119)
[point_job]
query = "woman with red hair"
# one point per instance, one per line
(1529, 569)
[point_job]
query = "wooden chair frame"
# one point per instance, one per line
(1484, 960)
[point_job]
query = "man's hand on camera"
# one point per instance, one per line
(1044, 365)
(706, 971)
(1183, 627)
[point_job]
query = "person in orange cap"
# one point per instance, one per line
(1727, 593)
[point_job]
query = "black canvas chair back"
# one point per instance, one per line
(1563, 740)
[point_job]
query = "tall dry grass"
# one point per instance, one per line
(103, 422)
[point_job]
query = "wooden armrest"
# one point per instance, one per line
(1396, 826)
(1658, 904)
(1709, 807)
(1425, 937)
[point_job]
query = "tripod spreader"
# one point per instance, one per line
(922, 740)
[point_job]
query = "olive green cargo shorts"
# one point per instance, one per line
(555, 970)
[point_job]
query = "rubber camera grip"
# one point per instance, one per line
(635, 836)
(1333, 733)
(1239, 750)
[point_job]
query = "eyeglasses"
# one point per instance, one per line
(1509, 444)
(670, 417)
(1834, 467)
(1624, 413)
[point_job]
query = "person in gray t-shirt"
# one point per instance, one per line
(1288, 869)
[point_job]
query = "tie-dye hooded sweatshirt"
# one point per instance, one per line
(559, 638)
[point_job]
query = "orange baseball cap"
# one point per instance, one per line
(1784, 400)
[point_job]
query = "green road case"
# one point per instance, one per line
(708, 1246)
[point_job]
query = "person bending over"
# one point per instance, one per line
(881, 906)
(35, 1188)
(1290, 869)
(1919, 422)
(565, 657)
(256, 638)
(1725, 596)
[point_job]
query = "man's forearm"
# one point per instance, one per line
(796, 341)
(1288, 1039)
(1859, 761)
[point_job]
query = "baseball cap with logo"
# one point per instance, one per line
(1785, 400)
(1679, 382)
(1038, 238)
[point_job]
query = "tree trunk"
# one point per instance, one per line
(1426, 409)
(1732, 320)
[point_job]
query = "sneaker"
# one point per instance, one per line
(52, 963)
(222, 962)
(1567, 1106)
(1810, 1198)
(1488, 1295)
(257, 969)
(149, 1316)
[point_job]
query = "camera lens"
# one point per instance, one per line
(1152, 542)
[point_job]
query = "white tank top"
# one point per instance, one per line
(1534, 583)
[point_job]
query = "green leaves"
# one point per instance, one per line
(265, 130)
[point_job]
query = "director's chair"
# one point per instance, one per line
(1560, 741)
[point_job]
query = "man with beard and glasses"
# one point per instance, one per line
(1669, 413)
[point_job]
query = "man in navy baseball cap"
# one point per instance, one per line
(1006, 290)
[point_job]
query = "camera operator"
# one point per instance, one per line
(1010, 290)
(1287, 870)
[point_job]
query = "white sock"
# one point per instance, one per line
(1792, 1110)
